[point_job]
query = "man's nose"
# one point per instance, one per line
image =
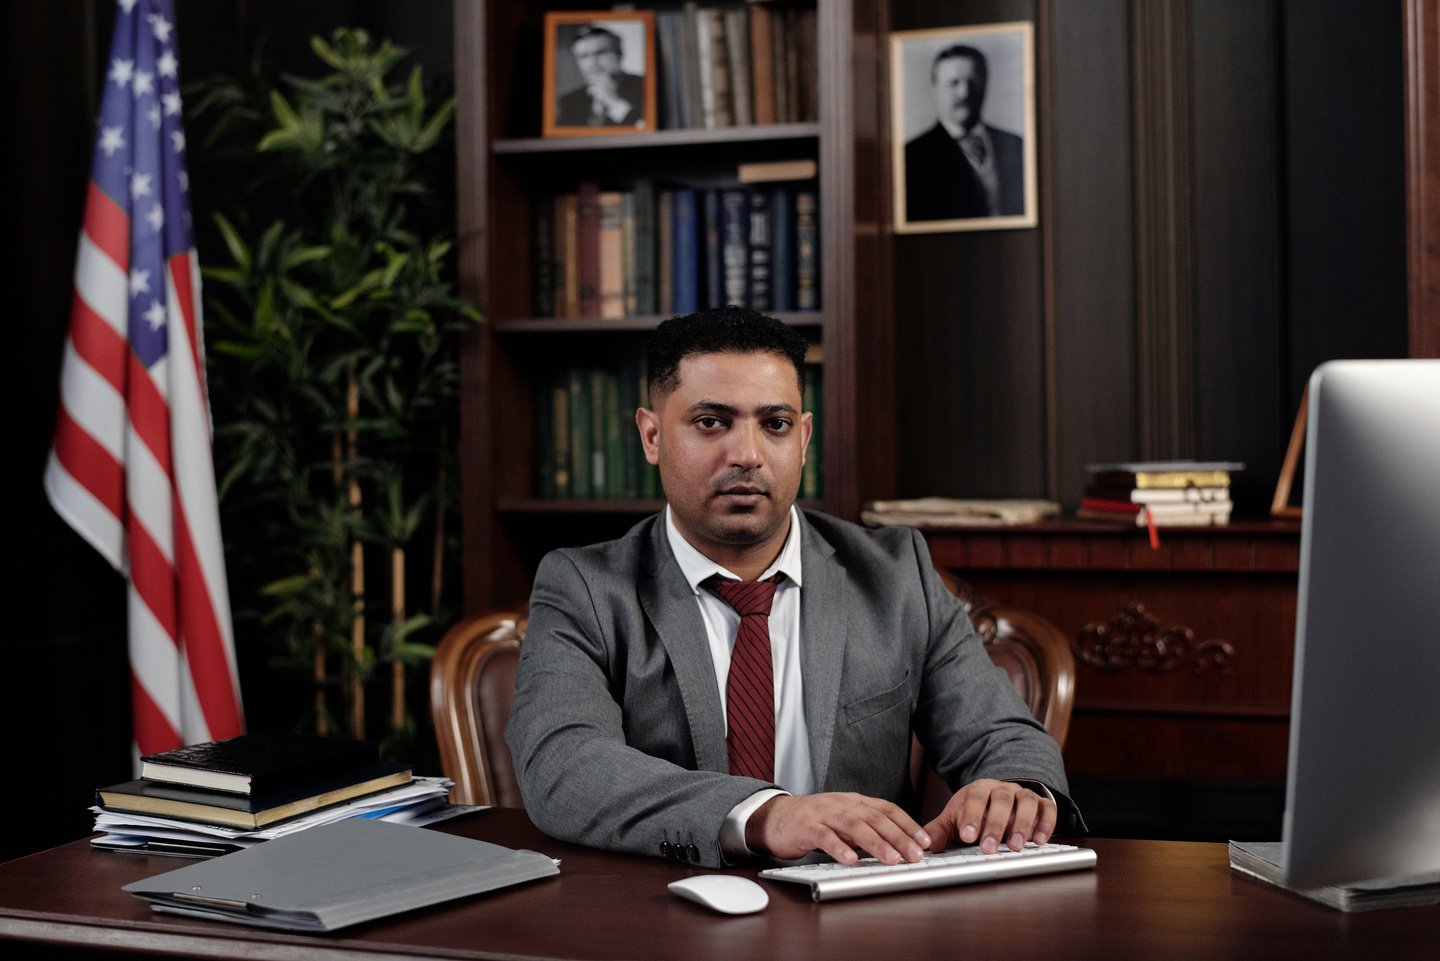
(745, 445)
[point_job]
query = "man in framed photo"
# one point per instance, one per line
(962, 167)
(609, 97)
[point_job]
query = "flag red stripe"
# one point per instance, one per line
(97, 343)
(201, 638)
(153, 731)
(107, 226)
(185, 295)
(151, 576)
(89, 463)
(149, 414)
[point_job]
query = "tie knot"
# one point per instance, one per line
(746, 597)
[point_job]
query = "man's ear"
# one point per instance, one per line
(648, 423)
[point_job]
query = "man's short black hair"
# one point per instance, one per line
(736, 330)
(594, 30)
(982, 67)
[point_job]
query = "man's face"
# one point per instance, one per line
(730, 443)
(959, 91)
(597, 58)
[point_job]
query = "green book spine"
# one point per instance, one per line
(645, 267)
(560, 436)
(614, 437)
(599, 476)
(580, 446)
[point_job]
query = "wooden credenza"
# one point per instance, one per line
(1183, 652)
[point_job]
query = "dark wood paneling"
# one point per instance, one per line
(1093, 230)
(1237, 380)
(1343, 128)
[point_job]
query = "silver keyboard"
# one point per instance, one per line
(829, 881)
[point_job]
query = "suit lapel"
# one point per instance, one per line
(670, 605)
(823, 624)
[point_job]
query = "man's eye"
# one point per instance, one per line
(780, 425)
(709, 423)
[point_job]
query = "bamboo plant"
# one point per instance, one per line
(333, 326)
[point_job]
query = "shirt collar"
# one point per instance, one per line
(697, 567)
(956, 131)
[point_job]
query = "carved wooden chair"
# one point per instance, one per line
(472, 684)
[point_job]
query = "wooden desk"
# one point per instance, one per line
(1146, 899)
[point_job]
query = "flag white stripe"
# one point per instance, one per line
(154, 659)
(83, 512)
(195, 472)
(102, 284)
(147, 490)
(93, 403)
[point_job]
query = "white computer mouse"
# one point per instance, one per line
(727, 893)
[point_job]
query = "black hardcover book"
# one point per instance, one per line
(250, 811)
(257, 763)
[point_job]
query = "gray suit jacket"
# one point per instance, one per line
(618, 730)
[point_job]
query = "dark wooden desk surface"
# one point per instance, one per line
(1145, 899)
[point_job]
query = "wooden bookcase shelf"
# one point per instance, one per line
(504, 168)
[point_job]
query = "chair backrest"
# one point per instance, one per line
(1036, 656)
(472, 683)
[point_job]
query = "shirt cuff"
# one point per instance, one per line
(1038, 787)
(732, 832)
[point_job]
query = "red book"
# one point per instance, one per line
(587, 239)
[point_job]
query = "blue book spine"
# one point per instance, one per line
(782, 249)
(686, 264)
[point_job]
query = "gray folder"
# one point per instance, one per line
(335, 875)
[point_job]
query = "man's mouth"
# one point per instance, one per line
(743, 494)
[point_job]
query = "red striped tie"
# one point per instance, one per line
(750, 688)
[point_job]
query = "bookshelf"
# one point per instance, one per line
(505, 169)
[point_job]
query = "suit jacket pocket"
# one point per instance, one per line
(873, 704)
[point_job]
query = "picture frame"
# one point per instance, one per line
(609, 51)
(985, 179)
(1280, 502)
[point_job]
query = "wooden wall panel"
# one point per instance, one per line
(1092, 226)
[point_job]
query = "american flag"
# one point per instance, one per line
(131, 468)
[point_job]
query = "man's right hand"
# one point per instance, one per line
(840, 824)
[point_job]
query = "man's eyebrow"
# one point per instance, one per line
(716, 407)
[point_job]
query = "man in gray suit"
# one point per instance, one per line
(619, 724)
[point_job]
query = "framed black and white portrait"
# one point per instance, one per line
(599, 73)
(963, 128)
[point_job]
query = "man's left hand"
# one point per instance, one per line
(988, 813)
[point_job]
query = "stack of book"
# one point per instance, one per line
(1182, 493)
(252, 787)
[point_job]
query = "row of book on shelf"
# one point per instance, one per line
(649, 249)
(219, 796)
(723, 66)
(587, 444)
(1184, 493)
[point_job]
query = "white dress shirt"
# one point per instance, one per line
(792, 738)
